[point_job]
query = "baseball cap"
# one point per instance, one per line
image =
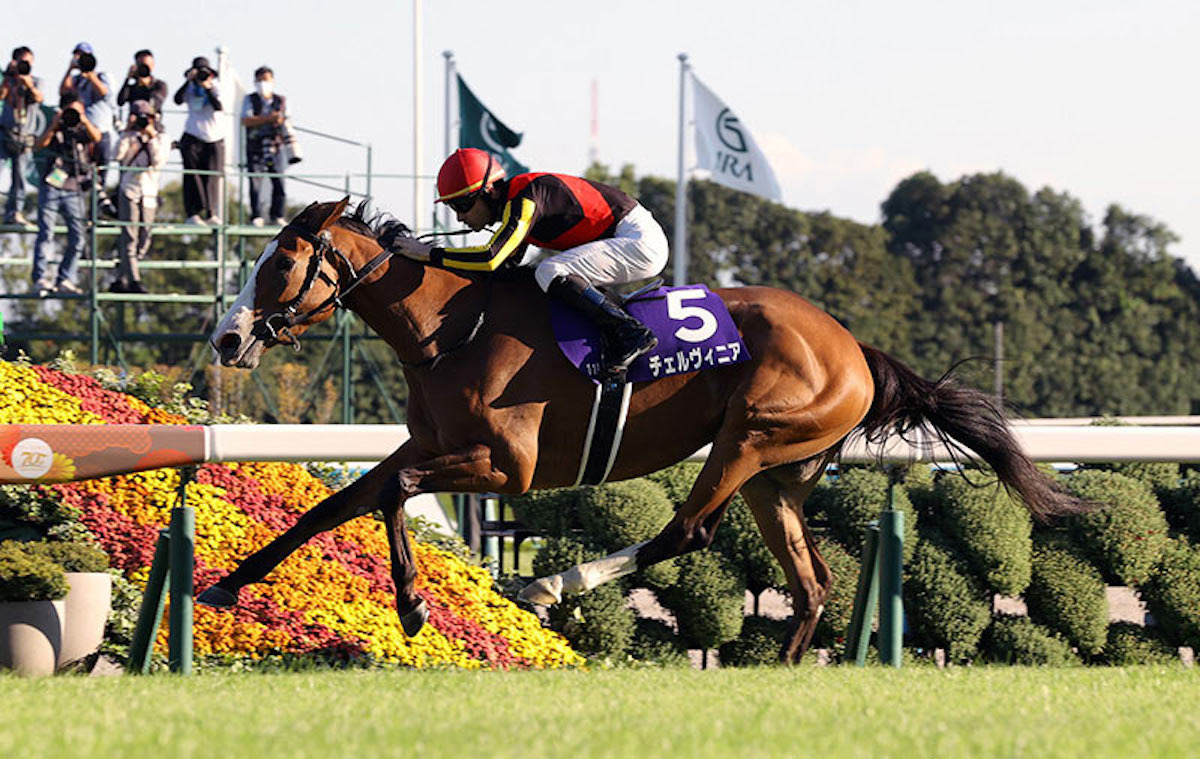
(141, 108)
(84, 47)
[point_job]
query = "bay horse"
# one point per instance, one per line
(494, 406)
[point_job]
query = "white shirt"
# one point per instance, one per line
(202, 117)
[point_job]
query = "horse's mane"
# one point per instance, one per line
(378, 225)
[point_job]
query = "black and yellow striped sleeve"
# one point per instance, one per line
(514, 229)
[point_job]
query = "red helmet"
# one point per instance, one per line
(467, 171)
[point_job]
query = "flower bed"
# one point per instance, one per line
(334, 594)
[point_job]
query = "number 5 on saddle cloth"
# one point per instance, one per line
(695, 332)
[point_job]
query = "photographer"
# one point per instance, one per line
(141, 84)
(21, 92)
(202, 145)
(94, 92)
(69, 136)
(263, 113)
(141, 149)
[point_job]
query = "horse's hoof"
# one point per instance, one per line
(414, 619)
(544, 591)
(218, 598)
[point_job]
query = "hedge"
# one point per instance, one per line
(29, 575)
(758, 644)
(708, 600)
(946, 605)
(1130, 644)
(1181, 505)
(1067, 594)
(738, 540)
(857, 498)
(1127, 534)
(1172, 593)
(655, 641)
(1020, 640)
(990, 527)
(839, 605)
(598, 623)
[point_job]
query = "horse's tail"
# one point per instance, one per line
(961, 417)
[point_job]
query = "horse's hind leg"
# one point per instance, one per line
(776, 498)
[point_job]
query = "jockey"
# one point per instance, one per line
(604, 237)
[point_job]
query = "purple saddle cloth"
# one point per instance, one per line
(694, 329)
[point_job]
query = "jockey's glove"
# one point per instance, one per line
(411, 248)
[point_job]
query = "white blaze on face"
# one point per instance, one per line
(240, 317)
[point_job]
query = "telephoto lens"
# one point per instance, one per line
(87, 62)
(23, 68)
(143, 70)
(140, 122)
(70, 117)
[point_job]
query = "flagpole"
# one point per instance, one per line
(681, 255)
(417, 115)
(449, 57)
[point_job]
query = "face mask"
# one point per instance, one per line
(264, 88)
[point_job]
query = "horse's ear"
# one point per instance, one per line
(339, 208)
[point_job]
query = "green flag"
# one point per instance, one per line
(478, 128)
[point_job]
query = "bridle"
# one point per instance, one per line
(277, 326)
(288, 316)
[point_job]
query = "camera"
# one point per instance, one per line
(143, 71)
(70, 117)
(203, 75)
(141, 122)
(22, 68)
(87, 62)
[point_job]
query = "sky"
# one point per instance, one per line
(1094, 98)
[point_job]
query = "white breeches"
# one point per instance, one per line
(637, 250)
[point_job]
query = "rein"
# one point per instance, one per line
(289, 316)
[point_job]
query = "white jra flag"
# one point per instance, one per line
(725, 148)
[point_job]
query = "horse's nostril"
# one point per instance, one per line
(228, 343)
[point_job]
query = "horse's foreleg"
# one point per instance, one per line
(364, 495)
(470, 470)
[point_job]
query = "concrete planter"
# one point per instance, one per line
(31, 636)
(87, 606)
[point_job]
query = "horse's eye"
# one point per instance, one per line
(283, 263)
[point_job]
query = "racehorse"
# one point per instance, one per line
(494, 406)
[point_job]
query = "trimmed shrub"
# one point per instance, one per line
(1129, 644)
(1181, 505)
(991, 528)
(28, 575)
(72, 557)
(857, 498)
(708, 600)
(839, 606)
(552, 513)
(624, 513)
(1020, 640)
(677, 480)
(1067, 594)
(655, 641)
(1172, 594)
(560, 554)
(741, 544)
(598, 623)
(946, 605)
(1127, 534)
(618, 515)
(757, 645)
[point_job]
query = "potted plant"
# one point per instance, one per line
(89, 599)
(32, 610)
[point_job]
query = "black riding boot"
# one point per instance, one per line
(625, 337)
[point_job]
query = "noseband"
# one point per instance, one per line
(277, 326)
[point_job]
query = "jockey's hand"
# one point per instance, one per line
(412, 248)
